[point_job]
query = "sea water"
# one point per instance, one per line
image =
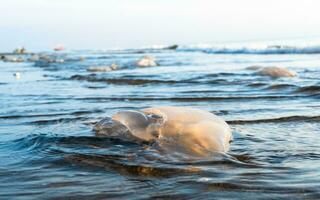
(48, 148)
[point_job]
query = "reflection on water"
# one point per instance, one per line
(49, 150)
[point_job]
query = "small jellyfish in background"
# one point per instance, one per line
(112, 67)
(146, 61)
(275, 72)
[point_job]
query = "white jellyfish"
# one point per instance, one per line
(181, 129)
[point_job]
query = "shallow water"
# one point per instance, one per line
(49, 150)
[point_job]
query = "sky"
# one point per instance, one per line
(105, 24)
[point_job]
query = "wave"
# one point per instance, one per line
(269, 49)
(279, 119)
(310, 89)
(137, 50)
(185, 99)
(125, 81)
(76, 113)
(57, 121)
(141, 80)
(281, 86)
(86, 151)
(252, 49)
(35, 141)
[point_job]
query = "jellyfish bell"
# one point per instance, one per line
(277, 72)
(192, 129)
(175, 129)
(146, 61)
(138, 123)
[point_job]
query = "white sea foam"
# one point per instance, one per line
(253, 49)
